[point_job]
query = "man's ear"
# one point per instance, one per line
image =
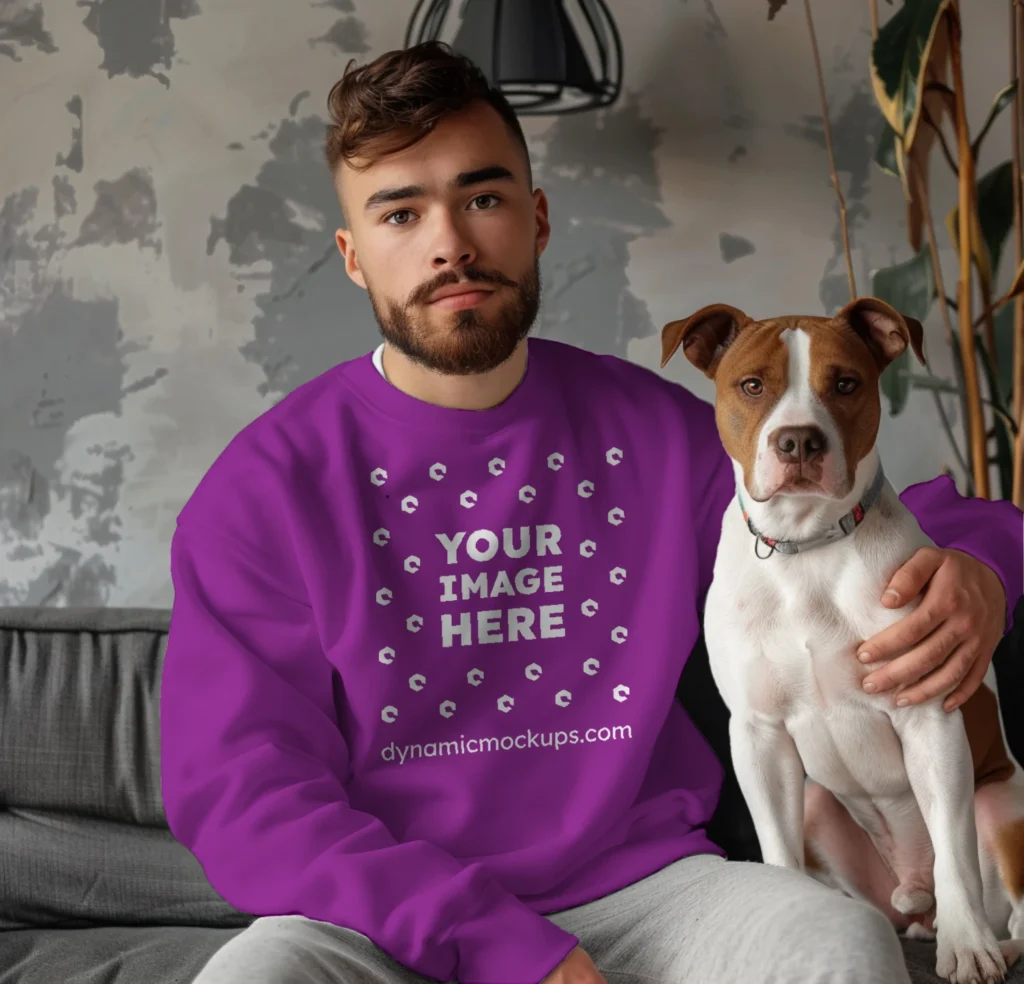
(343, 239)
(704, 336)
(885, 331)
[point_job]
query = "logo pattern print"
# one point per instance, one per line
(588, 548)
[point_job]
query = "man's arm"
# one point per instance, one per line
(252, 767)
(970, 586)
(990, 531)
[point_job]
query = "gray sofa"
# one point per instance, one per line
(93, 887)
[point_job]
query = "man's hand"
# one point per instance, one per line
(576, 968)
(951, 636)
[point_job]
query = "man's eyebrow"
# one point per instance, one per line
(494, 172)
(388, 196)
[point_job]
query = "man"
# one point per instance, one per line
(431, 610)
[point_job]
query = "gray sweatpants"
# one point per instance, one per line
(701, 920)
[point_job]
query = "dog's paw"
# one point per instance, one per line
(918, 931)
(912, 901)
(1016, 926)
(971, 956)
(1011, 950)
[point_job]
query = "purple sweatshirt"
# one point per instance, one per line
(422, 662)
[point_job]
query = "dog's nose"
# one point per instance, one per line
(800, 443)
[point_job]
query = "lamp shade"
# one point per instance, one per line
(546, 56)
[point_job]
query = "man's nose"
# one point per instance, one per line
(452, 247)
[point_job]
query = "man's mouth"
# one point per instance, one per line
(465, 296)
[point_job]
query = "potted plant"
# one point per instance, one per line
(916, 69)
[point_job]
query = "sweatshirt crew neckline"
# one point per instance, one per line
(367, 378)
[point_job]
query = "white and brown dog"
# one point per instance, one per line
(915, 809)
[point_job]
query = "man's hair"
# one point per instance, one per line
(397, 99)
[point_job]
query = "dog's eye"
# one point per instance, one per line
(846, 385)
(752, 387)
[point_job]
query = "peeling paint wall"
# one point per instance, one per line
(167, 266)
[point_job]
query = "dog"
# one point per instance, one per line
(916, 810)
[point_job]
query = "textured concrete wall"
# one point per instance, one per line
(167, 268)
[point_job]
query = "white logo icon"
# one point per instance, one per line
(409, 504)
(505, 704)
(417, 681)
(378, 476)
(589, 608)
(389, 714)
(617, 575)
(381, 537)
(384, 596)
(414, 623)
(468, 500)
(562, 698)
(614, 456)
(437, 471)
(587, 548)
(527, 493)
(447, 709)
(616, 516)
(496, 466)
(555, 461)
(621, 692)
(386, 655)
(474, 677)
(412, 564)
(591, 666)
(585, 489)
(533, 672)
(619, 634)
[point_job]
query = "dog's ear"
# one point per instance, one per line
(704, 336)
(885, 331)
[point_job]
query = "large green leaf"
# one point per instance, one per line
(910, 288)
(885, 151)
(1004, 351)
(900, 58)
(995, 218)
(1003, 99)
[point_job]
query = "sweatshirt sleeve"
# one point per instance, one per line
(992, 531)
(713, 482)
(253, 766)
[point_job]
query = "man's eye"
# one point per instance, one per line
(481, 198)
(400, 217)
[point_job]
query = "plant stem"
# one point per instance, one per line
(988, 319)
(947, 323)
(946, 152)
(828, 147)
(873, 7)
(968, 211)
(1017, 125)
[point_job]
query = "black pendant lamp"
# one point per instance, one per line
(547, 56)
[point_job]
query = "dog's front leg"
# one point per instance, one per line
(938, 762)
(771, 778)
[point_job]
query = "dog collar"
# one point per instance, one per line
(845, 526)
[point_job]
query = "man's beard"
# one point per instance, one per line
(470, 342)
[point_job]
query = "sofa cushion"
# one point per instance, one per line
(79, 711)
(108, 955)
(62, 870)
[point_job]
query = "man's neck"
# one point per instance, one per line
(475, 392)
